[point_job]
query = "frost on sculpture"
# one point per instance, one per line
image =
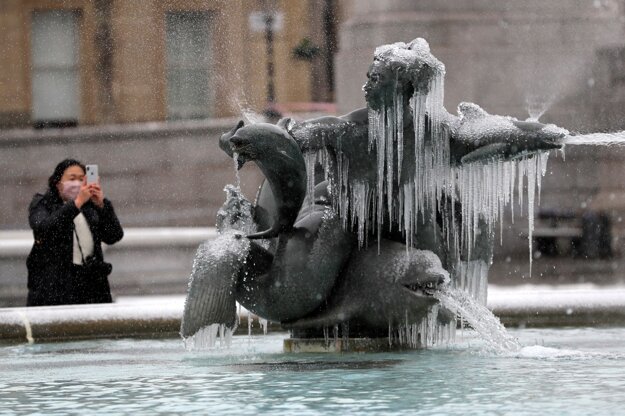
(365, 219)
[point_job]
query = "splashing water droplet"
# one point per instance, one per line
(596, 139)
(235, 157)
(480, 319)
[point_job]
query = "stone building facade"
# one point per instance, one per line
(92, 62)
(139, 85)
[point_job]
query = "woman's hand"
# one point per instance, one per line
(97, 196)
(83, 195)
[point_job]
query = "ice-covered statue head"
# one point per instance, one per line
(404, 95)
(403, 68)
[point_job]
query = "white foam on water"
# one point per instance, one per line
(541, 352)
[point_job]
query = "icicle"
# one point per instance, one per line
(399, 129)
(531, 182)
(513, 178)
(422, 334)
(264, 324)
(310, 161)
(541, 170)
(206, 338)
(250, 320)
(522, 172)
(377, 136)
(235, 158)
(345, 334)
(359, 210)
(388, 162)
(483, 190)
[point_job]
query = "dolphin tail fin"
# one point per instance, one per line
(211, 293)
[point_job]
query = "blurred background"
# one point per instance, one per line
(145, 88)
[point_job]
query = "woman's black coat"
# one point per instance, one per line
(50, 262)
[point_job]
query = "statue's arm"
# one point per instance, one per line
(359, 116)
(330, 132)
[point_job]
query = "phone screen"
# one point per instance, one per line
(92, 173)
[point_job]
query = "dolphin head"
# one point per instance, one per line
(280, 159)
(484, 137)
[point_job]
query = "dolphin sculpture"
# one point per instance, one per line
(480, 137)
(311, 273)
(296, 275)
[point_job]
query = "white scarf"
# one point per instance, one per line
(86, 239)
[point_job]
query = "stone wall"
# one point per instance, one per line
(156, 174)
(123, 59)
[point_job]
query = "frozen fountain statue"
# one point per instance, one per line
(364, 220)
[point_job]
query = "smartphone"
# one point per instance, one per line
(92, 173)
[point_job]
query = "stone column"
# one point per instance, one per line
(104, 49)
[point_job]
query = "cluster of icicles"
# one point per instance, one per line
(220, 335)
(482, 190)
(427, 333)
(424, 334)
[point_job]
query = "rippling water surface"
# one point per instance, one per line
(557, 371)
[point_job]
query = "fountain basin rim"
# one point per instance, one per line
(159, 317)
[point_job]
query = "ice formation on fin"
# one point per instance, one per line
(208, 336)
(210, 308)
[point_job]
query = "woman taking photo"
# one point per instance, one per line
(69, 222)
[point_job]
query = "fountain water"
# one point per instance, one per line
(596, 139)
(538, 104)
(480, 319)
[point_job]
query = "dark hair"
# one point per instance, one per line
(56, 176)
